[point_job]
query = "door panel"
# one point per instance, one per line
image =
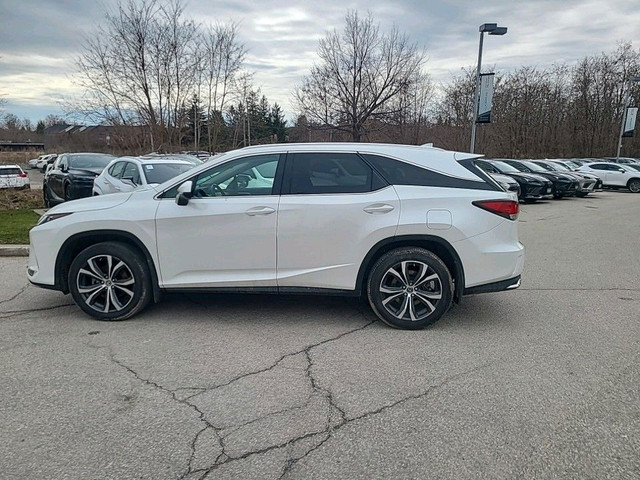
(323, 239)
(217, 242)
(226, 235)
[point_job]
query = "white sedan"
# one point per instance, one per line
(125, 174)
(614, 175)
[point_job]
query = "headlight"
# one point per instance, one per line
(49, 217)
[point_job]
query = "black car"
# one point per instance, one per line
(532, 187)
(72, 175)
(563, 185)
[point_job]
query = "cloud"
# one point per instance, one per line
(41, 38)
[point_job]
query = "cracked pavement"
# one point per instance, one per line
(541, 382)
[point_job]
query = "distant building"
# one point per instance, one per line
(8, 146)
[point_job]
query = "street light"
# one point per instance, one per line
(625, 104)
(491, 29)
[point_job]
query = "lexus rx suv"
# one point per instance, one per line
(412, 229)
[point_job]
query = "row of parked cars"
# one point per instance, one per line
(78, 175)
(534, 180)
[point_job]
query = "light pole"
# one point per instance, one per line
(625, 104)
(491, 29)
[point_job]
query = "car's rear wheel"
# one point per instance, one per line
(110, 281)
(634, 185)
(410, 288)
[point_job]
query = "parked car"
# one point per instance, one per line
(42, 163)
(571, 166)
(33, 163)
(49, 164)
(563, 185)
(128, 173)
(508, 183)
(71, 176)
(532, 187)
(12, 176)
(586, 184)
(615, 175)
(412, 228)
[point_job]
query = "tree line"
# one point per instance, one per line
(184, 85)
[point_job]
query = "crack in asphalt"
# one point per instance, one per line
(16, 295)
(16, 313)
(181, 401)
(223, 457)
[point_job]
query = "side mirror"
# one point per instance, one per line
(184, 193)
(63, 168)
(130, 181)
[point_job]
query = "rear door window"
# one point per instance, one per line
(319, 173)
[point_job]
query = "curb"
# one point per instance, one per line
(14, 250)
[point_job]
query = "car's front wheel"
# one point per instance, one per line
(410, 288)
(110, 281)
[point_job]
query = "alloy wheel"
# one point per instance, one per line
(410, 290)
(106, 283)
(634, 186)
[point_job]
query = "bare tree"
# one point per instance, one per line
(147, 62)
(222, 58)
(360, 72)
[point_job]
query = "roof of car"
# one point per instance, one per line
(10, 166)
(149, 160)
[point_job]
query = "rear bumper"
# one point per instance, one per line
(509, 284)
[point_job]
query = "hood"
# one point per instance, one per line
(499, 177)
(100, 202)
(527, 176)
(86, 171)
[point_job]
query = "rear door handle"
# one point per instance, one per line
(260, 211)
(378, 208)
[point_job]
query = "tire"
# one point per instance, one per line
(66, 194)
(45, 197)
(398, 293)
(110, 291)
(634, 185)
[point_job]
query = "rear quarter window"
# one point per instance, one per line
(400, 173)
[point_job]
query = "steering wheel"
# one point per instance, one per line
(215, 191)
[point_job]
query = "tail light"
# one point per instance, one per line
(505, 208)
(22, 175)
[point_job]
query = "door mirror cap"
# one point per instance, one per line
(184, 193)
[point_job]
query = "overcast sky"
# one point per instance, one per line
(39, 39)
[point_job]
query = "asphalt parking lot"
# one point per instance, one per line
(541, 382)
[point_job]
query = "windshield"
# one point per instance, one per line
(634, 167)
(533, 166)
(547, 166)
(560, 166)
(505, 167)
(89, 161)
(161, 172)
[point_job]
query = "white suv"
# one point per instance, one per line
(614, 175)
(12, 176)
(412, 228)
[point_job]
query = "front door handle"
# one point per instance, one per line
(260, 211)
(378, 208)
